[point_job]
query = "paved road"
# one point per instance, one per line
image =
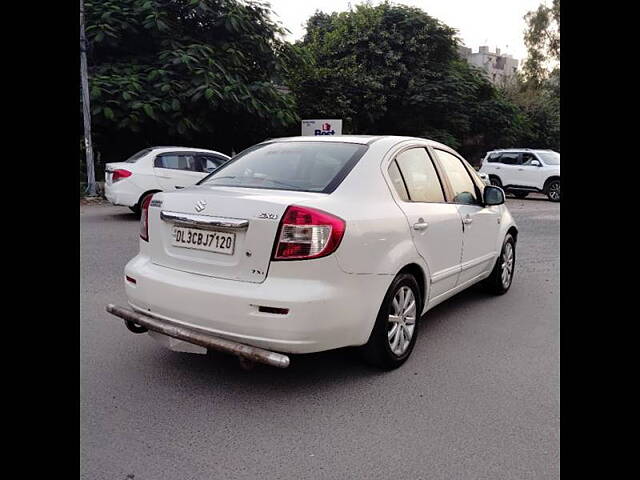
(478, 399)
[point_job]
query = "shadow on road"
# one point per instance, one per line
(126, 216)
(319, 371)
(528, 198)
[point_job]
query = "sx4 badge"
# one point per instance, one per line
(270, 216)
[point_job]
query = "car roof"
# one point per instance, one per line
(183, 149)
(520, 150)
(360, 139)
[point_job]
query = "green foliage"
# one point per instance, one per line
(540, 107)
(185, 72)
(205, 73)
(542, 38)
(394, 69)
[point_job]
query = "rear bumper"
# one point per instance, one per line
(323, 314)
(122, 193)
(202, 339)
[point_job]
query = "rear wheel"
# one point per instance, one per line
(396, 329)
(553, 190)
(137, 209)
(520, 194)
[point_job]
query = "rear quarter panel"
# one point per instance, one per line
(377, 238)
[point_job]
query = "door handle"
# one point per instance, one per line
(497, 168)
(467, 220)
(421, 225)
(520, 169)
(178, 187)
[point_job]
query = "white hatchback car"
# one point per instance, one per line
(307, 244)
(523, 171)
(158, 169)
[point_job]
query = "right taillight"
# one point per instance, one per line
(144, 218)
(119, 174)
(306, 233)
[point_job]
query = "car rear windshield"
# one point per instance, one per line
(134, 158)
(300, 166)
(550, 158)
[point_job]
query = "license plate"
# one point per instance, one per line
(208, 240)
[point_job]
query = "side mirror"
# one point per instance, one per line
(535, 163)
(493, 195)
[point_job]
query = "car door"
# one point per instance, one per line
(480, 225)
(506, 169)
(529, 175)
(490, 163)
(435, 225)
(176, 170)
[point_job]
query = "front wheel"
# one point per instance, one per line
(502, 274)
(396, 329)
(553, 190)
(495, 181)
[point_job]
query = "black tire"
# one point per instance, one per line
(377, 351)
(495, 181)
(137, 209)
(520, 194)
(553, 190)
(494, 282)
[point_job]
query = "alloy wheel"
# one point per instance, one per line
(402, 320)
(507, 265)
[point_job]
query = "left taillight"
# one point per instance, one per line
(144, 218)
(119, 174)
(307, 233)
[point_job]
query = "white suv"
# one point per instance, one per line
(306, 244)
(522, 171)
(158, 169)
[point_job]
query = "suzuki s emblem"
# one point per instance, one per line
(200, 204)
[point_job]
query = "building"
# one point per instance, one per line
(501, 69)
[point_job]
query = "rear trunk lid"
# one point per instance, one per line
(250, 216)
(110, 167)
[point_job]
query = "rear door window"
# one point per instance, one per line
(176, 161)
(509, 158)
(420, 176)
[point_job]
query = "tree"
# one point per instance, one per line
(540, 108)
(537, 93)
(196, 72)
(394, 69)
(542, 38)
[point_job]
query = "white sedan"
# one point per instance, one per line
(158, 169)
(307, 244)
